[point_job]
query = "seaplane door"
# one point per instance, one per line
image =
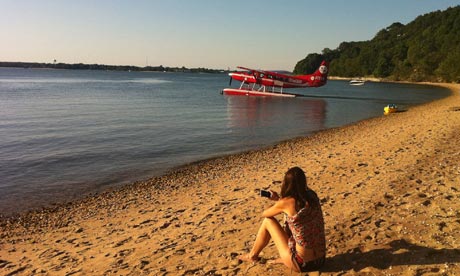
(278, 83)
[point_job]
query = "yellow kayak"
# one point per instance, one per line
(391, 108)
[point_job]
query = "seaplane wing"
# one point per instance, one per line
(266, 73)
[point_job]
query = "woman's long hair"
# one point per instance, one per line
(295, 185)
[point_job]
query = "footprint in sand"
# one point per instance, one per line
(50, 254)
(143, 264)
(224, 233)
(124, 253)
(426, 202)
(206, 218)
(147, 222)
(119, 264)
(122, 242)
(4, 263)
(165, 224)
(180, 252)
(142, 238)
(379, 222)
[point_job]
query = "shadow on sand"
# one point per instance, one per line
(399, 252)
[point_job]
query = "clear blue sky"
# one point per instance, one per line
(200, 33)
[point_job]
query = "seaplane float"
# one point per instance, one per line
(270, 83)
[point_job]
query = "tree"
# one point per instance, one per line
(309, 64)
(424, 49)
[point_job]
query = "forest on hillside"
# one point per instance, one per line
(426, 49)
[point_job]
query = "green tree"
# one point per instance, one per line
(424, 49)
(309, 64)
(449, 69)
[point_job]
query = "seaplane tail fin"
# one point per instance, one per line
(323, 69)
(319, 77)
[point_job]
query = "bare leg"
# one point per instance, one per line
(271, 229)
(267, 229)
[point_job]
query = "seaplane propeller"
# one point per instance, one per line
(230, 82)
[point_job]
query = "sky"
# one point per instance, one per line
(215, 34)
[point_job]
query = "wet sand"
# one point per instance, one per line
(390, 189)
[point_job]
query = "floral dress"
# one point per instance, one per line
(307, 228)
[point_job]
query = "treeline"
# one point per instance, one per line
(426, 49)
(81, 66)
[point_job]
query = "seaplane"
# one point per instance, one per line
(270, 83)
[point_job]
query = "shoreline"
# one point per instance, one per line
(371, 79)
(140, 228)
(76, 200)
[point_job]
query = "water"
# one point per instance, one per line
(64, 133)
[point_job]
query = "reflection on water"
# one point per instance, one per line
(293, 116)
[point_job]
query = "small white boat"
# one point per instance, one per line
(357, 82)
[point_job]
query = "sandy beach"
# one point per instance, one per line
(389, 187)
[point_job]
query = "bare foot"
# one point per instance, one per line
(275, 261)
(248, 258)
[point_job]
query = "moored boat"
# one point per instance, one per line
(357, 82)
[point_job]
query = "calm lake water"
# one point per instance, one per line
(64, 133)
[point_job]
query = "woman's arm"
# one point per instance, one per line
(275, 209)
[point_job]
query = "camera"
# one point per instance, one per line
(265, 193)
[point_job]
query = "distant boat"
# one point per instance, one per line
(357, 82)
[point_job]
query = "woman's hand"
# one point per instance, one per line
(274, 195)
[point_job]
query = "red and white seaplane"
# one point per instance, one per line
(263, 83)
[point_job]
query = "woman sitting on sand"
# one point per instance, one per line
(301, 244)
